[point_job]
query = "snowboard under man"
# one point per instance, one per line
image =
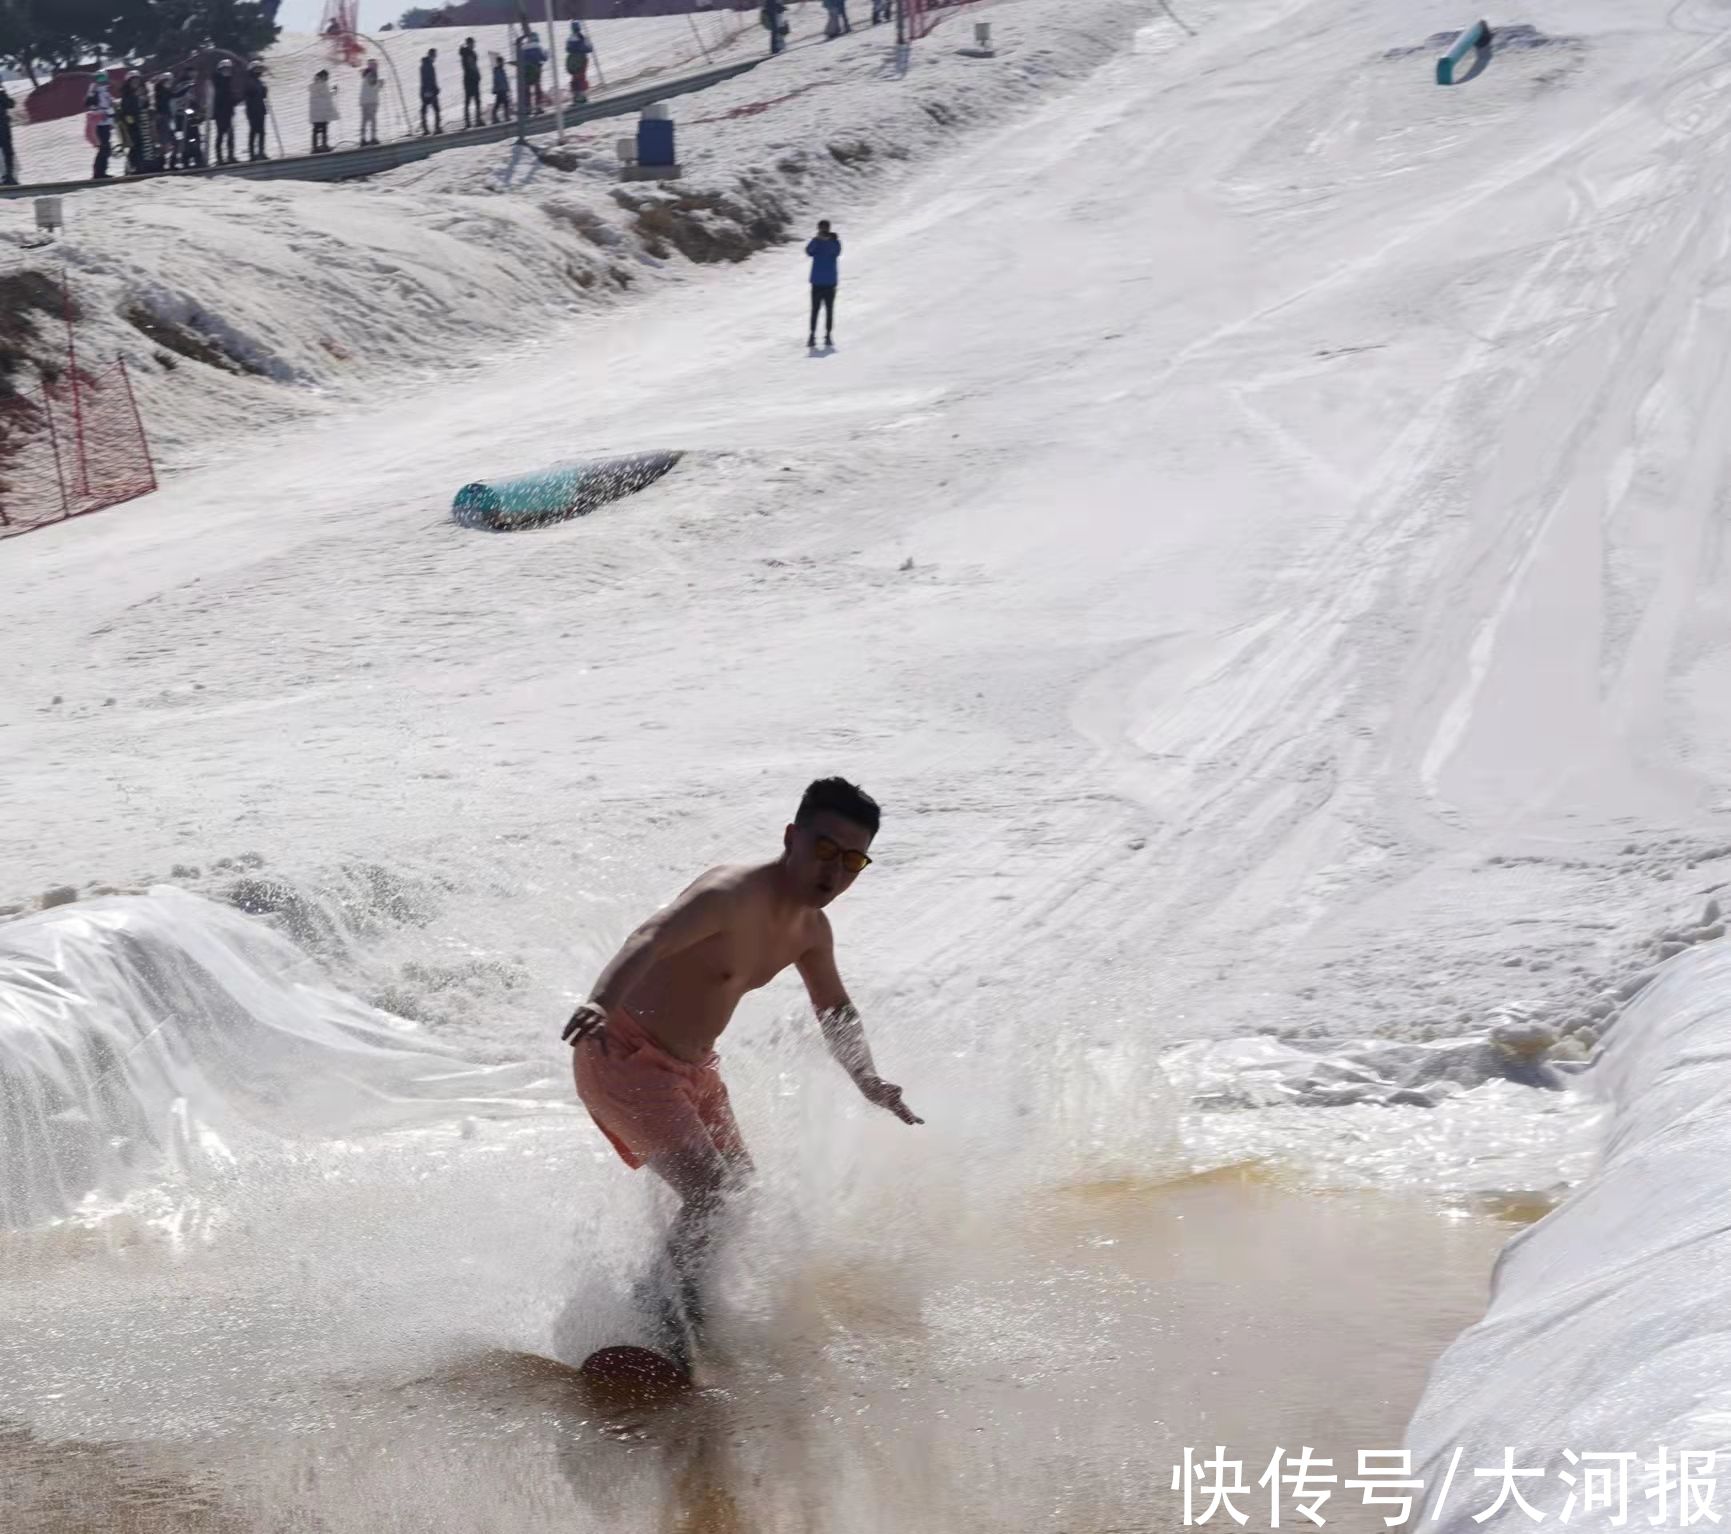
(825, 253)
(644, 1040)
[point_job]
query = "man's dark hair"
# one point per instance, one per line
(837, 796)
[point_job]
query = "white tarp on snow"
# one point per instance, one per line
(1607, 1330)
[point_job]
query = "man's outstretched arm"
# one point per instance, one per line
(700, 912)
(842, 1030)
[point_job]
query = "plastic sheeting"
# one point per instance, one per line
(138, 1033)
(1609, 1326)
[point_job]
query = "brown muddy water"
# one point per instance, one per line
(1047, 1377)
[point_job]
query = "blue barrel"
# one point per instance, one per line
(655, 141)
(1477, 36)
(552, 495)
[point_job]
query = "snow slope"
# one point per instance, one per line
(285, 299)
(1261, 536)
(1251, 735)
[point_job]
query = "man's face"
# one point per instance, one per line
(818, 854)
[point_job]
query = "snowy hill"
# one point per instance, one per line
(237, 303)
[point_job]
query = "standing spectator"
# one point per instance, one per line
(144, 144)
(430, 90)
(825, 253)
(188, 122)
(881, 11)
(471, 81)
(8, 160)
(162, 119)
(838, 22)
(501, 90)
(129, 120)
(530, 57)
(322, 110)
(223, 101)
(577, 51)
(371, 91)
(99, 106)
(773, 17)
(255, 98)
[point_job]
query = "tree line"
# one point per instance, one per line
(40, 36)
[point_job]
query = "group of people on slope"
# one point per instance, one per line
(322, 109)
(159, 125)
(773, 15)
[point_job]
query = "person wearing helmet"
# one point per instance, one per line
(99, 110)
(578, 50)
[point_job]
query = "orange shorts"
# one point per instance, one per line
(648, 1102)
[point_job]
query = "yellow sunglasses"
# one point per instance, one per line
(828, 851)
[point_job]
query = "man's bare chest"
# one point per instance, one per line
(747, 961)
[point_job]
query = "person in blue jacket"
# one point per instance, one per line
(825, 253)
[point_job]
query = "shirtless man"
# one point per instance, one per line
(644, 1040)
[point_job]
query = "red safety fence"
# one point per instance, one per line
(74, 445)
(923, 15)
